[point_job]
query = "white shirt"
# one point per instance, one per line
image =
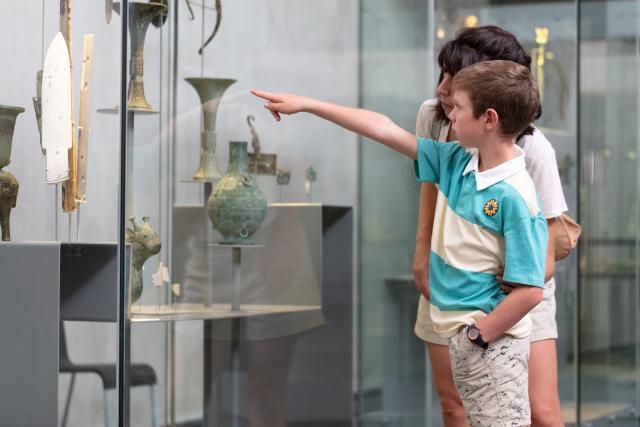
(539, 157)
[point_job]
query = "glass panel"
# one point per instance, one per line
(393, 82)
(609, 212)
(64, 225)
(246, 261)
(143, 348)
(548, 31)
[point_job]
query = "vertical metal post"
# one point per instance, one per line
(130, 187)
(579, 163)
(236, 278)
(209, 410)
(431, 46)
(235, 372)
(78, 222)
(636, 409)
(123, 300)
(56, 202)
(431, 84)
(235, 336)
(173, 96)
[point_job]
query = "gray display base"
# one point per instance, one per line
(43, 283)
(29, 333)
(320, 387)
(89, 282)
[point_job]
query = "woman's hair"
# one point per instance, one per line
(478, 44)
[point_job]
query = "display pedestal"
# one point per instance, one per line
(42, 284)
(299, 289)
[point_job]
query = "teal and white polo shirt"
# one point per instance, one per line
(483, 220)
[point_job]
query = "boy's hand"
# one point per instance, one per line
(281, 103)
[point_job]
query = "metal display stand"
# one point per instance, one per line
(236, 276)
(208, 342)
(236, 279)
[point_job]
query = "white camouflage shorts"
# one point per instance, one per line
(493, 383)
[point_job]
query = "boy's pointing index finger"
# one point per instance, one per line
(265, 95)
(269, 97)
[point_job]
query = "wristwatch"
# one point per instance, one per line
(473, 333)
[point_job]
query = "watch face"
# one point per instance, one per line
(473, 333)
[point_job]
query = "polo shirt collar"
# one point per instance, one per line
(494, 175)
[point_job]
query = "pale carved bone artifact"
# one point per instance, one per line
(85, 113)
(56, 111)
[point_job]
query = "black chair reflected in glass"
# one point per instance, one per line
(141, 374)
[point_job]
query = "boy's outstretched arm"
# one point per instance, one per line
(364, 122)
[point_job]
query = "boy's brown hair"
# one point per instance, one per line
(504, 86)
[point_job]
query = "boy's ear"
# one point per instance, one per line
(492, 120)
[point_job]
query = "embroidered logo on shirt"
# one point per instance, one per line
(491, 207)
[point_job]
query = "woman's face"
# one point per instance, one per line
(445, 92)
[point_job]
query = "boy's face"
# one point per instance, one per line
(468, 129)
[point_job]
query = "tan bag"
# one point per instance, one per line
(566, 233)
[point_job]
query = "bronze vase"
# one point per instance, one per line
(210, 92)
(8, 183)
(237, 206)
(140, 16)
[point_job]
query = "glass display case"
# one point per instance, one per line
(199, 256)
(204, 264)
(246, 287)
